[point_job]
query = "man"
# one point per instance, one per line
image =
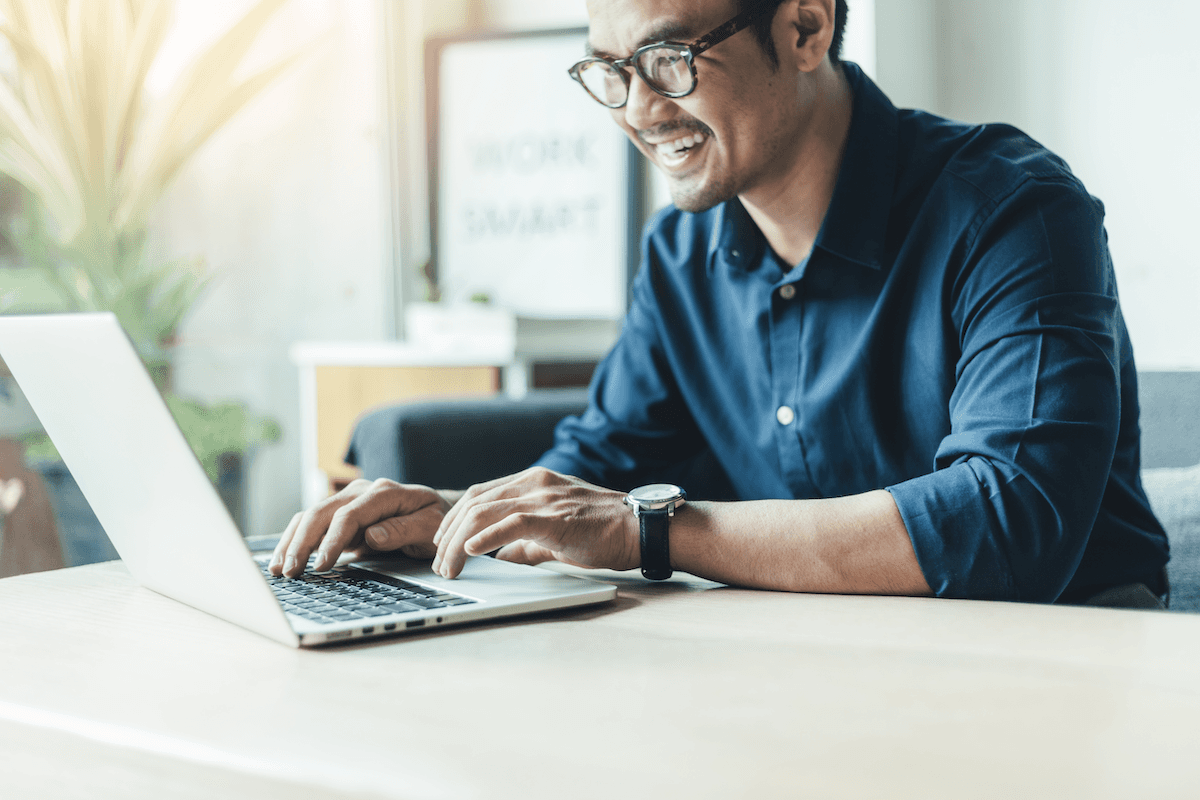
(893, 339)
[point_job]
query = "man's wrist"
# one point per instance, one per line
(633, 539)
(689, 536)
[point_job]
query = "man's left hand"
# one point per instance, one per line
(535, 516)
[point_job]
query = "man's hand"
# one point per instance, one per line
(535, 516)
(379, 515)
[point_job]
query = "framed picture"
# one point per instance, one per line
(535, 193)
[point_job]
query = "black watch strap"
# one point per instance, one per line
(656, 547)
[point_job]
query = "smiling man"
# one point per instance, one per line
(886, 347)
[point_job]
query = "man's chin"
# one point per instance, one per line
(698, 199)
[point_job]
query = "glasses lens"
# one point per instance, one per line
(666, 69)
(603, 82)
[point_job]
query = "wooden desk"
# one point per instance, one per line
(683, 689)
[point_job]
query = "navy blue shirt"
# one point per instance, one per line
(955, 337)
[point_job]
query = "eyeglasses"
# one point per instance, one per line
(669, 68)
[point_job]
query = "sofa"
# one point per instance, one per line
(456, 443)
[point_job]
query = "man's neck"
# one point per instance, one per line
(790, 208)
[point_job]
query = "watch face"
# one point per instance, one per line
(656, 493)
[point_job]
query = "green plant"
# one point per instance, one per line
(92, 155)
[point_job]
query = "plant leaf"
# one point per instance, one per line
(171, 161)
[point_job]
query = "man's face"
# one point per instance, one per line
(719, 141)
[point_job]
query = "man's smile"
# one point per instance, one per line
(675, 153)
(675, 145)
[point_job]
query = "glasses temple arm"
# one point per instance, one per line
(720, 34)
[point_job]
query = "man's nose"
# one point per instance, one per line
(645, 107)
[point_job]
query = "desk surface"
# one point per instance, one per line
(681, 689)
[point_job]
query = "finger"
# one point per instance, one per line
(505, 526)
(524, 551)
(292, 545)
(464, 502)
(314, 524)
(477, 496)
(311, 528)
(470, 497)
(276, 565)
(342, 533)
(412, 533)
(384, 500)
(474, 515)
(514, 527)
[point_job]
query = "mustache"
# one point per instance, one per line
(675, 129)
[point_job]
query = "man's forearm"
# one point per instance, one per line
(847, 545)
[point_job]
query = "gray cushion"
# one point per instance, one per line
(1175, 496)
(454, 443)
(1170, 418)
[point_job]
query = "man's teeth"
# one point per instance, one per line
(680, 145)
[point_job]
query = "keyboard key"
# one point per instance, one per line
(402, 608)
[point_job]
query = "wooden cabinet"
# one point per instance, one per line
(339, 382)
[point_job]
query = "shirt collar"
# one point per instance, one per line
(857, 219)
(856, 223)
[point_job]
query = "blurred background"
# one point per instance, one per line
(304, 215)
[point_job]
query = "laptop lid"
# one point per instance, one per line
(95, 399)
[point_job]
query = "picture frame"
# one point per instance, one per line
(535, 195)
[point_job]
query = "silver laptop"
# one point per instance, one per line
(95, 399)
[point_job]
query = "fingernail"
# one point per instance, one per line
(377, 537)
(437, 562)
(290, 564)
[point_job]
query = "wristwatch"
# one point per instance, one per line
(654, 505)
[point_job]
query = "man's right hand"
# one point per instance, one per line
(381, 515)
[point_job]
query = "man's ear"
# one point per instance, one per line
(804, 32)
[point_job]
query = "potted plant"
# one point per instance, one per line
(88, 154)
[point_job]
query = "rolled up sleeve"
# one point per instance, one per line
(1017, 484)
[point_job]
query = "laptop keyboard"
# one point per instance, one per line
(347, 593)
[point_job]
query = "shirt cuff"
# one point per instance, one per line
(954, 531)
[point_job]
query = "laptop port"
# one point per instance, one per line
(414, 623)
(369, 629)
(391, 626)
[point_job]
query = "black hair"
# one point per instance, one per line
(762, 30)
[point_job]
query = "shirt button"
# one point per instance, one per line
(735, 253)
(787, 292)
(785, 415)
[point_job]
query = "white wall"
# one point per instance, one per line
(535, 14)
(906, 50)
(288, 203)
(1109, 86)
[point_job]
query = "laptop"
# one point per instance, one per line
(90, 390)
